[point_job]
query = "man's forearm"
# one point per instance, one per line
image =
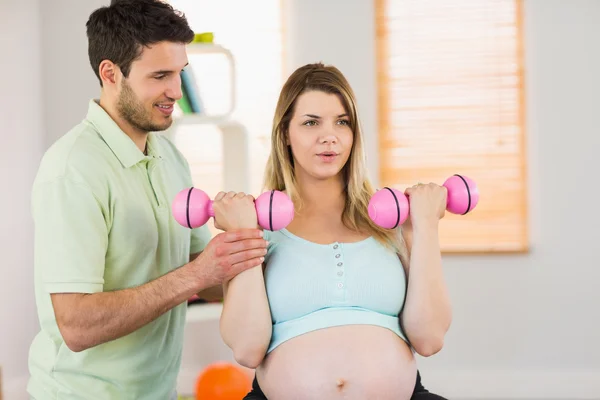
(101, 317)
(214, 293)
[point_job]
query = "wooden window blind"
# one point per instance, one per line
(258, 51)
(450, 85)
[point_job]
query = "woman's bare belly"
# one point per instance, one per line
(355, 362)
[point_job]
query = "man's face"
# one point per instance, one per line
(147, 97)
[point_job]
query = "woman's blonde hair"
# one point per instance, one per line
(279, 174)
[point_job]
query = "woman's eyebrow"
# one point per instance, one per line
(317, 117)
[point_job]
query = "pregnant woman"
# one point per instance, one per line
(339, 306)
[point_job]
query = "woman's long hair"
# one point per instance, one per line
(279, 173)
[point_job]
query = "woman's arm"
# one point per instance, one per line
(245, 323)
(427, 312)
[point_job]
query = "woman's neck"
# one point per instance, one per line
(322, 196)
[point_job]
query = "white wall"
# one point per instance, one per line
(525, 326)
(22, 136)
(317, 31)
(69, 82)
(45, 80)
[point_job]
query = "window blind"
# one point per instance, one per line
(450, 85)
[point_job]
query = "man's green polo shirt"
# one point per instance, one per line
(103, 222)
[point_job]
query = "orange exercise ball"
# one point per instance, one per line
(222, 381)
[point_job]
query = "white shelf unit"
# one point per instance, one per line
(235, 151)
(202, 312)
(200, 119)
(211, 49)
(234, 134)
(202, 344)
(202, 340)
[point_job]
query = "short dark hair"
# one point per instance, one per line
(119, 32)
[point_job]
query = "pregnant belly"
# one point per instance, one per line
(353, 362)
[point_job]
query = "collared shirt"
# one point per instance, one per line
(103, 222)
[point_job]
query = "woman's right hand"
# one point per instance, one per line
(234, 211)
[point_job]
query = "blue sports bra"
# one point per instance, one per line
(312, 286)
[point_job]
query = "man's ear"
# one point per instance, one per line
(108, 72)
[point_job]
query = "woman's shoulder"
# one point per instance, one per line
(273, 237)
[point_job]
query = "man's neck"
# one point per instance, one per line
(138, 137)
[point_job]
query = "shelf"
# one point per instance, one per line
(208, 48)
(206, 68)
(199, 119)
(203, 312)
(235, 148)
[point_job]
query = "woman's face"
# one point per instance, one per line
(320, 135)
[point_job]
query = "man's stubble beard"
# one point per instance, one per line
(132, 110)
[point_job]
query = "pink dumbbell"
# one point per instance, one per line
(389, 207)
(192, 208)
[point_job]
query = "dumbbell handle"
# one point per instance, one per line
(268, 222)
(389, 208)
(192, 208)
(210, 209)
(465, 205)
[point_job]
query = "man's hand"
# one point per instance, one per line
(87, 320)
(230, 253)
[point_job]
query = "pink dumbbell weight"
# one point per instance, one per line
(192, 208)
(389, 207)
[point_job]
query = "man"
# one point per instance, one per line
(113, 269)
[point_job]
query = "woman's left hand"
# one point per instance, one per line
(427, 202)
